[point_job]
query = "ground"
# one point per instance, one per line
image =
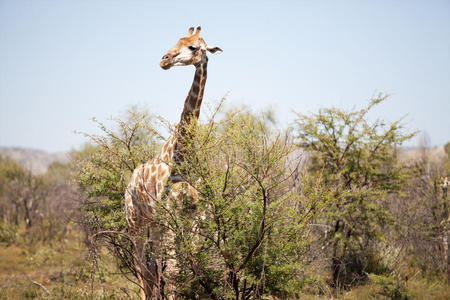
(62, 269)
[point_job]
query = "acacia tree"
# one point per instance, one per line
(246, 236)
(358, 158)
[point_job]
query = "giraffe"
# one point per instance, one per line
(149, 180)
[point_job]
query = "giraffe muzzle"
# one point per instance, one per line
(166, 62)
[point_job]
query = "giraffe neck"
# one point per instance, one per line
(191, 109)
(191, 112)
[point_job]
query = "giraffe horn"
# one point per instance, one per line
(191, 30)
(197, 33)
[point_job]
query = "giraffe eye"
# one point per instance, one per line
(192, 48)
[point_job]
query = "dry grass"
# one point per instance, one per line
(389, 288)
(62, 271)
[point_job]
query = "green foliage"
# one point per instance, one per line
(246, 234)
(358, 159)
(103, 167)
(391, 287)
(30, 294)
(8, 234)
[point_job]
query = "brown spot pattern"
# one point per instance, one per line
(159, 188)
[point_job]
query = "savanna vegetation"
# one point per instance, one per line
(328, 208)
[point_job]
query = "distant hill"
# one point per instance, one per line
(434, 154)
(35, 160)
(38, 161)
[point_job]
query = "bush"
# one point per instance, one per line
(357, 158)
(391, 287)
(8, 234)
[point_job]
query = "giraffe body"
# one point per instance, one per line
(147, 185)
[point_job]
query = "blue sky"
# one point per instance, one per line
(64, 62)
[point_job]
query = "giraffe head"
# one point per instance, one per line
(190, 50)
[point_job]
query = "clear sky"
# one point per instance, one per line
(64, 62)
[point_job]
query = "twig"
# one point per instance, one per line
(43, 287)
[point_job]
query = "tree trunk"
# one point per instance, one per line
(335, 261)
(27, 213)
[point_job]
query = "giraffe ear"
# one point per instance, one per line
(214, 49)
